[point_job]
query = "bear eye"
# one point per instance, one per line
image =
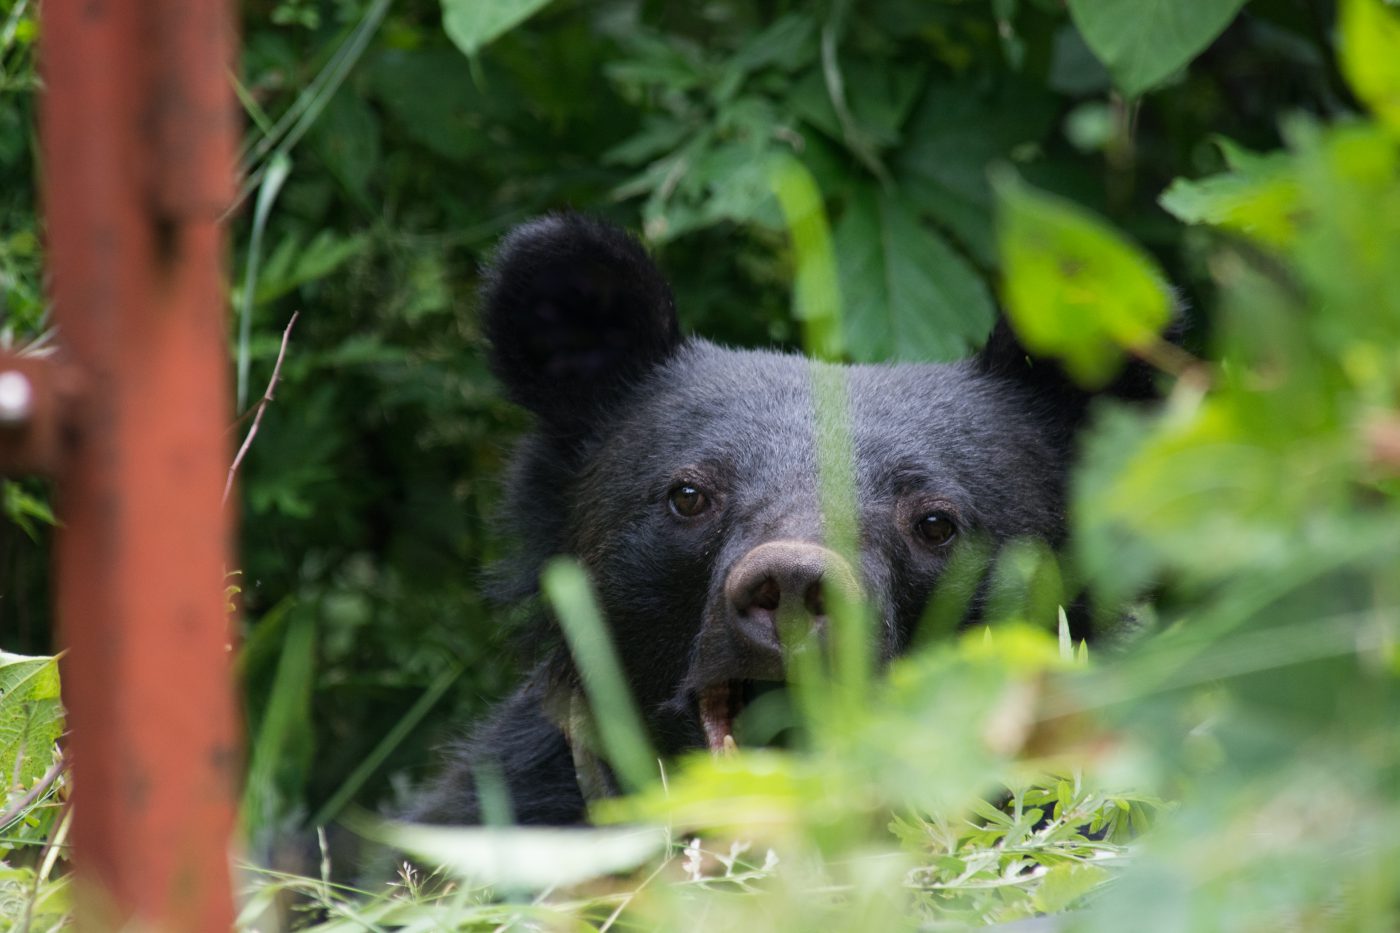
(936, 528)
(688, 501)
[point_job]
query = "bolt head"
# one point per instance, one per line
(16, 398)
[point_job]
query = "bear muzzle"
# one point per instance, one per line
(775, 603)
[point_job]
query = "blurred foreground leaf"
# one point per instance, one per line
(1370, 56)
(1258, 197)
(530, 858)
(1075, 288)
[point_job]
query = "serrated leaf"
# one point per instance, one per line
(908, 295)
(473, 24)
(1074, 287)
(31, 716)
(1370, 56)
(1143, 41)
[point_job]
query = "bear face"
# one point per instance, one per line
(684, 477)
(702, 490)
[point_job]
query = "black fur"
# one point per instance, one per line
(584, 335)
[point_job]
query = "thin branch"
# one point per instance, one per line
(40, 788)
(1174, 361)
(262, 406)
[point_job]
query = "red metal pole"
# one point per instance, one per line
(137, 127)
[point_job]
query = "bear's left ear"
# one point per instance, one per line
(1004, 357)
(576, 312)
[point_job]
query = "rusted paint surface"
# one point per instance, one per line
(137, 128)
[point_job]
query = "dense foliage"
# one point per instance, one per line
(901, 166)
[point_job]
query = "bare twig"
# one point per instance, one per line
(1382, 435)
(1174, 361)
(262, 405)
(40, 788)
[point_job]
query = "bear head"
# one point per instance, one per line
(684, 476)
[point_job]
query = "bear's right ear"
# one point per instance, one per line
(576, 312)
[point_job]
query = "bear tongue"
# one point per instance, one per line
(716, 718)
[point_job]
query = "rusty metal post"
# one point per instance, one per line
(137, 129)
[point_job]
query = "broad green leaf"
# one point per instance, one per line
(1143, 41)
(1370, 56)
(1074, 288)
(473, 24)
(1065, 884)
(909, 296)
(348, 139)
(1258, 198)
(449, 120)
(526, 857)
(31, 717)
(880, 97)
(955, 133)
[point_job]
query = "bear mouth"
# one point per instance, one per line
(720, 705)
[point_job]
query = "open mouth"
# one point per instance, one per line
(720, 705)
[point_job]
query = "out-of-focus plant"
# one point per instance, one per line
(1256, 510)
(33, 820)
(981, 780)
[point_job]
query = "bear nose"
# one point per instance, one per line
(783, 582)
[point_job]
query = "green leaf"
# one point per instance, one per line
(31, 717)
(1370, 56)
(294, 263)
(1143, 41)
(1074, 288)
(24, 509)
(474, 24)
(449, 120)
(348, 140)
(787, 44)
(1065, 884)
(957, 131)
(1259, 198)
(909, 296)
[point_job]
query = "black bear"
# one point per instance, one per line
(683, 476)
